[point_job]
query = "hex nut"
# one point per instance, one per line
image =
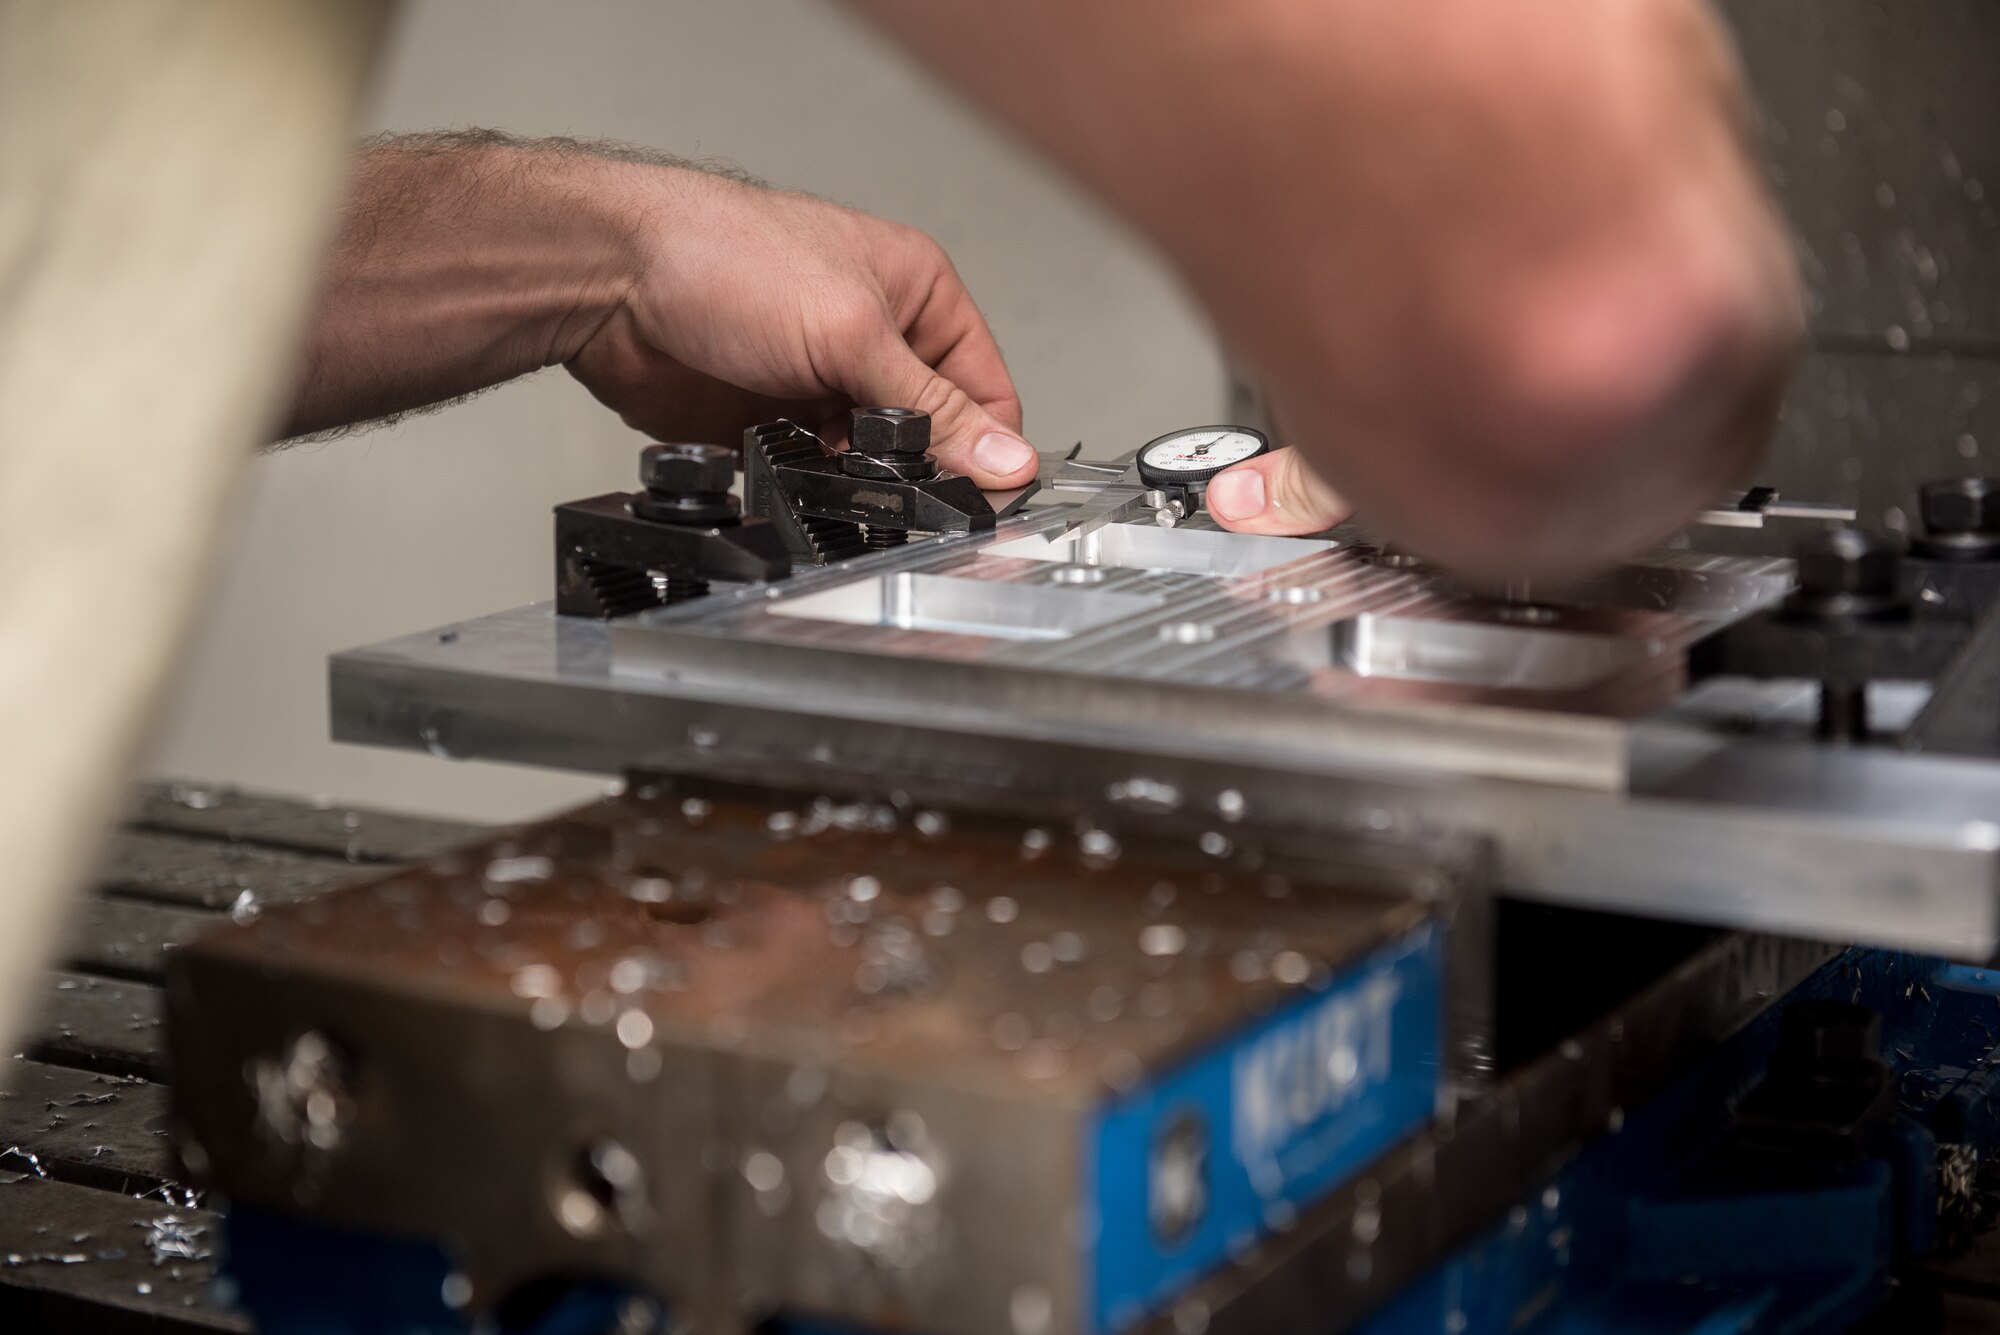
(889, 431)
(1961, 505)
(687, 469)
(1848, 561)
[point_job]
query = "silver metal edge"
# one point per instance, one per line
(1886, 849)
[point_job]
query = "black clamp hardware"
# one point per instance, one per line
(1851, 620)
(829, 506)
(626, 552)
(1961, 520)
(1827, 1098)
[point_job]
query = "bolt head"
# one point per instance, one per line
(687, 470)
(1961, 505)
(1848, 561)
(881, 432)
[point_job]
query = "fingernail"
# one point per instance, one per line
(998, 452)
(1237, 495)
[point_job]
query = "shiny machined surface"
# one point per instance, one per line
(1231, 639)
(1540, 657)
(910, 601)
(1186, 551)
(1676, 816)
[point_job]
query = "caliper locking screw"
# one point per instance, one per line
(1961, 519)
(687, 484)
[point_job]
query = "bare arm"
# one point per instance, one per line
(690, 302)
(463, 260)
(1506, 268)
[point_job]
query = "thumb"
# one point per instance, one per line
(1275, 493)
(965, 436)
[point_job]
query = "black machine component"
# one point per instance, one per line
(1180, 465)
(626, 552)
(1865, 610)
(1961, 520)
(1828, 1093)
(828, 506)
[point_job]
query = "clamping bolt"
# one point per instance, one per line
(1961, 519)
(889, 443)
(1847, 576)
(687, 484)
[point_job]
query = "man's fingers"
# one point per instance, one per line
(965, 436)
(950, 334)
(1275, 493)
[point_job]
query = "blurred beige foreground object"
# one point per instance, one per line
(169, 170)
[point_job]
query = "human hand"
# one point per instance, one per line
(1274, 493)
(1507, 271)
(749, 304)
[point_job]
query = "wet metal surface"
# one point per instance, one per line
(96, 1232)
(767, 916)
(211, 874)
(1418, 1197)
(218, 811)
(108, 1025)
(78, 1126)
(779, 1010)
(129, 938)
(77, 1260)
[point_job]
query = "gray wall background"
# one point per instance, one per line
(1882, 123)
(447, 516)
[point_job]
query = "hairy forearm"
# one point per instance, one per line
(463, 260)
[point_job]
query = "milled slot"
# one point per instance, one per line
(1471, 653)
(1182, 551)
(910, 601)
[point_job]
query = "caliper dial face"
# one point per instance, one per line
(1198, 454)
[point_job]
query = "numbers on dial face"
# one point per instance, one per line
(1202, 451)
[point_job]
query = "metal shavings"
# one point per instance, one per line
(171, 1238)
(88, 1100)
(46, 1258)
(186, 1198)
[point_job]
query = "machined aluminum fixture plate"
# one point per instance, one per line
(1676, 815)
(1235, 644)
